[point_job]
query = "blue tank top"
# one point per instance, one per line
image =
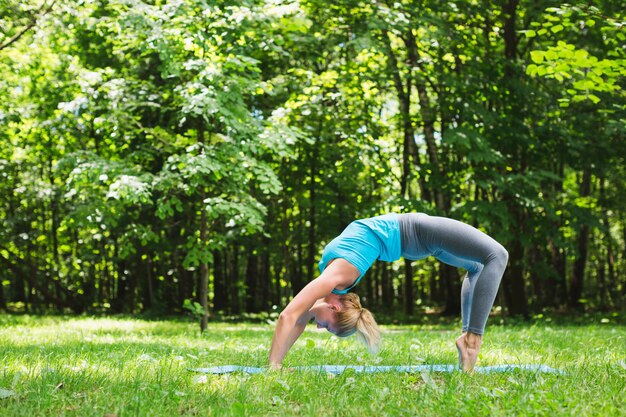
(363, 242)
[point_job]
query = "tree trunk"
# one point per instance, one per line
(387, 285)
(409, 148)
(27, 271)
(404, 100)
(285, 270)
(54, 221)
(606, 263)
(435, 296)
(610, 257)
(510, 36)
(264, 277)
(513, 281)
(3, 304)
(203, 284)
(220, 295)
(131, 283)
(556, 291)
(204, 271)
(185, 282)
(235, 307)
(450, 277)
(409, 297)
(312, 247)
(19, 288)
(624, 253)
(296, 274)
(428, 119)
(377, 288)
(252, 272)
(582, 242)
(149, 298)
(601, 272)
(370, 286)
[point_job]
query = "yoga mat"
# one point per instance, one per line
(338, 369)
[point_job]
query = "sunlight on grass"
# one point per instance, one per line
(121, 366)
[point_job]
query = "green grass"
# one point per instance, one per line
(55, 366)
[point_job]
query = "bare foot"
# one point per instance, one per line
(459, 349)
(468, 345)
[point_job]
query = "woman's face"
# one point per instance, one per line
(326, 316)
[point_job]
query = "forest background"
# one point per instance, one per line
(162, 154)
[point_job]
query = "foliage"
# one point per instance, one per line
(155, 150)
(587, 73)
(193, 307)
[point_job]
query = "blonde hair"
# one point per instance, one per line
(352, 318)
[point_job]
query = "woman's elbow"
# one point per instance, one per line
(286, 317)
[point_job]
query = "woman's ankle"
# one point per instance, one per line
(473, 340)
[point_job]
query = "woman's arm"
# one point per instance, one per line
(292, 321)
(285, 335)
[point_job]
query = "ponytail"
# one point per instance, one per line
(353, 318)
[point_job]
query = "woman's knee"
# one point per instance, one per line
(501, 255)
(475, 269)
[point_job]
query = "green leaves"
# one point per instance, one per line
(143, 139)
(556, 28)
(565, 61)
(472, 145)
(132, 189)
(589, 74)
(537, 56)
(530, 33)
(193, 307)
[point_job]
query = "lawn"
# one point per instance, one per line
(60, 366)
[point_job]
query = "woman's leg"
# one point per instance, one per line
(467, 291)
(461, 245)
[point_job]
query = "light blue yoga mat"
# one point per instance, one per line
(338, 369)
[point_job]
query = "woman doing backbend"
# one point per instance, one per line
(413, 236)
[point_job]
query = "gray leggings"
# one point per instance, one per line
(463, 246)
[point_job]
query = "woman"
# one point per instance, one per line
(413, 236)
